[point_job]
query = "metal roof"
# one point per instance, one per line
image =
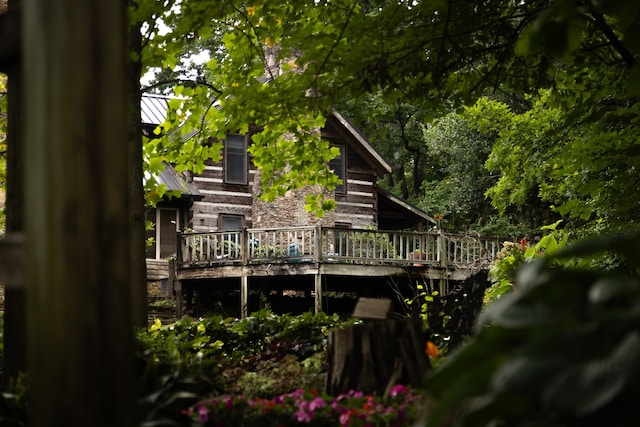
(175, 181)
(153, 108)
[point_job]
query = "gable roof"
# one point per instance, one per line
(372, 155)
(397, 214)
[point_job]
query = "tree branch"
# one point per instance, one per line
(600, 23)
(186, 82)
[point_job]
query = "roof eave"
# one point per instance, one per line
(384, 166)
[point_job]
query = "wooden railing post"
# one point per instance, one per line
(319, 256)
(442, 249)
(442, 257)
(179, 248)
(244, 245)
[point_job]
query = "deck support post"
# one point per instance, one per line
(189, 298)
(178, 291)
(442, 257)
(318, 289)
(244, 295)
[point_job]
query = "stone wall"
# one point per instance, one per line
(287, 210)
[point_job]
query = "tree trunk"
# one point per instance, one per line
(136, 190)
(14, 298)
(80, 333)
(374, 356)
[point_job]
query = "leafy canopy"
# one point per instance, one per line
(281, 65)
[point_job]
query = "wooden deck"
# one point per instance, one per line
(327, 251)
(334, 249)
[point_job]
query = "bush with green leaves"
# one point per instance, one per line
(262, 355)
(514, 255)
(563, 349)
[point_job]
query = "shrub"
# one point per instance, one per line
(260, 356)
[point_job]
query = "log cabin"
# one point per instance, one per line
(236, 253)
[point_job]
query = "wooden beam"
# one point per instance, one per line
(318, 291)
(244, 296)
(80, 332)
(179, 296)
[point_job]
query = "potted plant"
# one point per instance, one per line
(418, 255)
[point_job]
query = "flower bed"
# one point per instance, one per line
(402, 407)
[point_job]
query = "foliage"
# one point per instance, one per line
(397, 131)
(513, 256)
(310, 407)
(262, 355)
(460, 143)
(282, 65)
(14, 408)
(188, 341)
(573, 158)
(449, 318)
(563, 349)
(281, 373)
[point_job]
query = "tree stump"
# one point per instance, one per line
(376, 355)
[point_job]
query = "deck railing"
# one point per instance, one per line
(330, 244)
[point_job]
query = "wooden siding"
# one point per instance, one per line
(221, 198)
(358, 206)
(157, 269)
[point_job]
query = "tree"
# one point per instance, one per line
(397, 131)
(462, 142)
(135, 168)
(76, 215)
(434, 54)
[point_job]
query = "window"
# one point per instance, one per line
(337, 166)
(231, 222)
(232, 240)
(164, 234)
(235, 159)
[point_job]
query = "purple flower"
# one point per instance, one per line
(303, 414)
(316, 403)
(228, 403)
(398, 389)
(344, 418)
(203, 414)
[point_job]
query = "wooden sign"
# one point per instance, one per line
(373, 309)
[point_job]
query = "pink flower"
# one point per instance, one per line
(303, 414)
(316, 403)
(203, 414)
(398, 389)
(344, 418)
(228, 403)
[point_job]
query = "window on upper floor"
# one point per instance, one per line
(337, 165)
(236, 164)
